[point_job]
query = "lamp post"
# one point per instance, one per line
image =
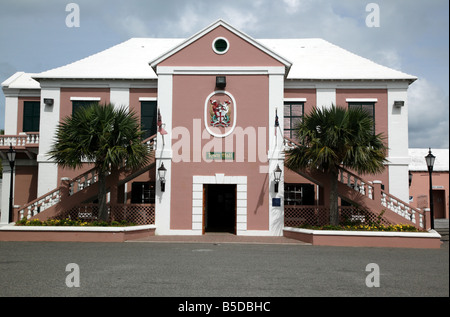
(430, 162)
(12, 160)
(277, 175)
(162, 176)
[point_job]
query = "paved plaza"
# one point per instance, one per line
(219, 268)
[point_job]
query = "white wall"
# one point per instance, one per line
(398, 142)
(48, 170)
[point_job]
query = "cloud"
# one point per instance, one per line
(133, 26)
(428, 116)
(413, 37)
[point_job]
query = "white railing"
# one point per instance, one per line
(367, 189)
(38, 205)
(21, 140)
(75, 185)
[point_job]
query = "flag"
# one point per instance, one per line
(277, 124)
(160, 124)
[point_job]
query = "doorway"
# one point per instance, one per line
(439, 204)
(219, 205)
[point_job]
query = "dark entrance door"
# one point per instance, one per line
(220, 211)
(439, 204)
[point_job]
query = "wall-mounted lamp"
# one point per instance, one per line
(399, 104)
(48, 101)
(221, 82)
(162, 176)
(277, 175)
(11, 154)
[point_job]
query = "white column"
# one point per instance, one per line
(120, 97)
(163, 154)
(48, 170)
(398, 155)
(11, 113)
(325, 97)
(4, 218)
(276, 153)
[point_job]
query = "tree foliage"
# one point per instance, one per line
(336, 137)
(109, 138)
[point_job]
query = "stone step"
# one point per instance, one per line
(442, 227)
(441, 223)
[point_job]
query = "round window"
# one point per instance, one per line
(220, 45)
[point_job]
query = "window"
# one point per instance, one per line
(369, 107)
(78, 104)
(148, 118)
(220, 45)
(298, 194)
(31, 116)
(293, 114)
(143, 193)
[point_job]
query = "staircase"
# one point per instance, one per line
(72, 192)
(441, 226)
(367, 195)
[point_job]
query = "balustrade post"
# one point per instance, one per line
(427, 218)
(65, 187)
(376, 192)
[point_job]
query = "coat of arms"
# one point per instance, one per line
(220, 113)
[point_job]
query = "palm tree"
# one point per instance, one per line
(104, 135)
(334, 137)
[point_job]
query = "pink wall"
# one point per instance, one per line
(420, 191)
(251, 96)
(66, 93)
(309, 94)
(200, 53)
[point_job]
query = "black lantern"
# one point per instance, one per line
(221, 82)
(277, 175)
(430, 158)
(11, 154)
(162, 176)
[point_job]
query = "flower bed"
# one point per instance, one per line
(365, 227)
(73, 223)
(74, 231)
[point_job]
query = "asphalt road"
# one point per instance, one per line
(36, 269)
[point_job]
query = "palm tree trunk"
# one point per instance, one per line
(334, 211)
(102, 208)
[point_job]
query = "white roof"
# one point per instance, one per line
(21, 80)
(318, 59)
(127, 60)
(441, 164)
(314, 59)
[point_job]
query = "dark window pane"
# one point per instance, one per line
(149, 112)
(78, 104)
(31, 116)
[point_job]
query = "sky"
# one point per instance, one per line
(408, 35)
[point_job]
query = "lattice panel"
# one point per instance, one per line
(140, 214)
(143, 214)
(295, 216)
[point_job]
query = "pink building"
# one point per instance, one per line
(218, 93)
(419, 189)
